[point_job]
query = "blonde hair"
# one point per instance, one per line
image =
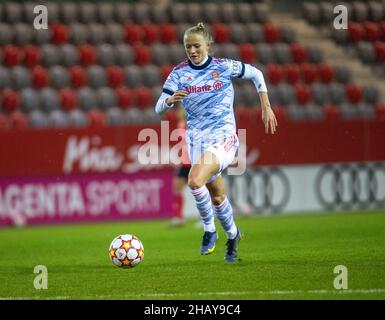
(201, 29)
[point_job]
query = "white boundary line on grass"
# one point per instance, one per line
(197, 294)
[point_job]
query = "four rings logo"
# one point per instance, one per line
(349, 186)
(265, 189)
(334, 187)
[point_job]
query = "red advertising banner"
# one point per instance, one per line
(85, 197)
(115, 149)
(316, 142)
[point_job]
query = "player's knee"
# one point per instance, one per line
(218, 199)
(195, 183)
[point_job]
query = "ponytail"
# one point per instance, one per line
(201, 29)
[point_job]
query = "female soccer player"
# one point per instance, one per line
(203, 85)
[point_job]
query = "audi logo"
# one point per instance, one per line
(351, 186)
(265, 189)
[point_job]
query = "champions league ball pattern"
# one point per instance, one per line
(126, 251)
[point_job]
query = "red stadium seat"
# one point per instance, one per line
(143, 97)
(274, 73)
(18, 120)
(78, 76)
(354, 93)
(124, 97)
(133, 33)
(271, 32)
(356, 31)
(151, 33)
(302, 93)
(68, 99)
(292, 72)
(115, 76)
(60, 33)
(142, 54)
(87, 54)
(379, 48)
(96, 118)
(11, 100)
(40, 77)
(298, 52)
(165, 70)
(11, 55)
(220, 32)
(309, 72)
(326, 73)
(332, 112)
(168, 33)
(247, 52)
(372, 30)
(31, 55)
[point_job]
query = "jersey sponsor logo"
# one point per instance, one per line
(218, 85)
(197, 89)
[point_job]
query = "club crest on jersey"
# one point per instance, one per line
(215, 74)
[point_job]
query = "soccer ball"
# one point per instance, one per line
(126, 251)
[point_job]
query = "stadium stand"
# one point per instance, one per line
(103, 63)
(365, 35)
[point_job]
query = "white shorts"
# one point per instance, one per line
(224, 151)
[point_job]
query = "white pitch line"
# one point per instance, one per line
(194, 294)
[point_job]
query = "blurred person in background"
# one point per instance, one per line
(181, 173)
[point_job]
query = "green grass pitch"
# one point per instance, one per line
(282, 257)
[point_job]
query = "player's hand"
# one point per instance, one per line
(178, 96)
(269, 120)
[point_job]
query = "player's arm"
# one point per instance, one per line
(257, 78)
(177, 97)
(268, 116)
(167, 100)
(170, 94)
(162, 105)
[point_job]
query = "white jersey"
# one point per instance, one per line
(209, 104)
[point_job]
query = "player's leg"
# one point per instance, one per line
(200, 173)
(179, 184)
(224, 212)
(222, 207)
